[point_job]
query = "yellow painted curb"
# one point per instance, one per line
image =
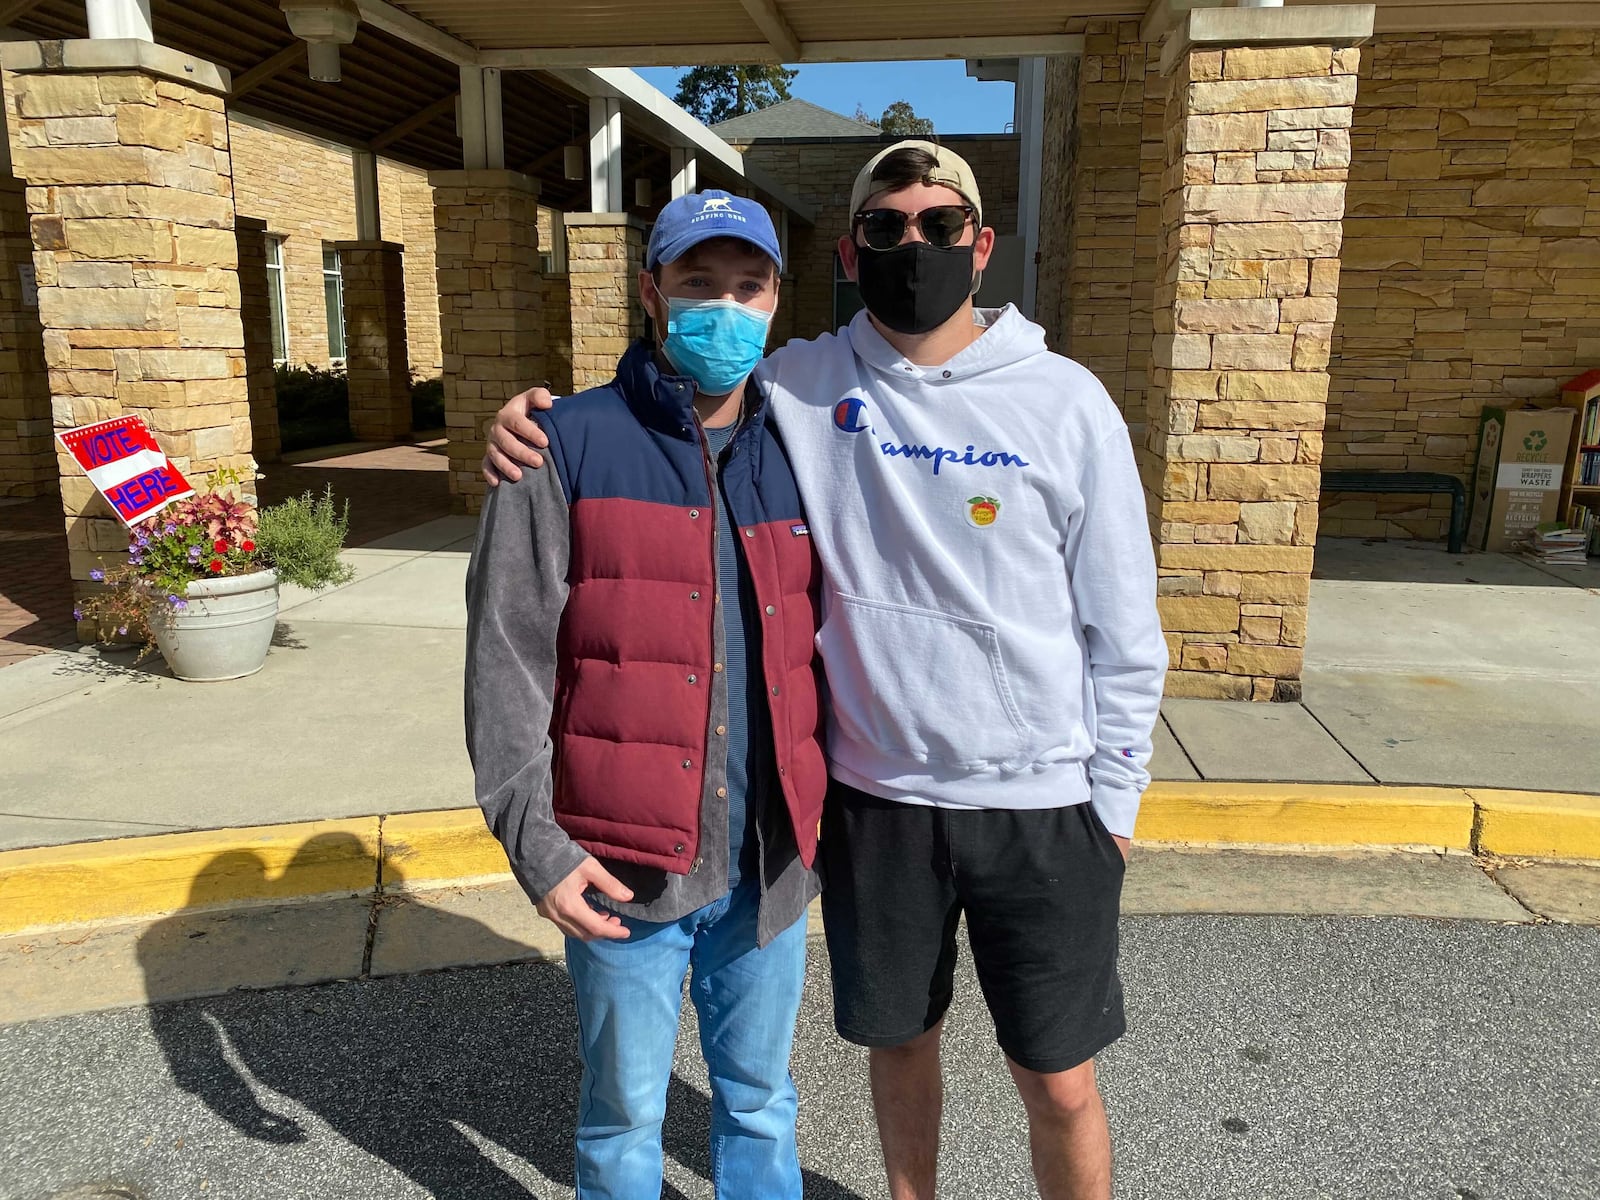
(131, 878)
(1306, 814)
(145, 876)
(429, 847)
(1537, 824)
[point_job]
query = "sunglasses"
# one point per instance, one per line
(941, 225)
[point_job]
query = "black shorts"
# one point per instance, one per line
(1040, 888)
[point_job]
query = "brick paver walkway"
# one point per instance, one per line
(389, 488)
(35, 593)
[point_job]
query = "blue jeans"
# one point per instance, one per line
(629, 994)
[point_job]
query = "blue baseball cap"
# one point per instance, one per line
(700, 216)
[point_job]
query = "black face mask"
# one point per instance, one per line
(915, 287)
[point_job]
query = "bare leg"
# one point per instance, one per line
(908, 1099)
(1067, 1132)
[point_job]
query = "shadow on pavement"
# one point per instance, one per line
(449, 1093)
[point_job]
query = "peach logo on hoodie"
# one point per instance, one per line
(982, 511)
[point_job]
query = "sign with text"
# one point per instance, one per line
(122, 460)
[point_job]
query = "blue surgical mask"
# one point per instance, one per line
(716, 343)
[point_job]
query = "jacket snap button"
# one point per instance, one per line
(749, 533)
(694, 595)
(678, 849)
(717, 667)
(721, 792)
(694, 514)
(721, 729)
(774, 691)
(947, 374)
(771, 611)
(694, 679)
(687, 764)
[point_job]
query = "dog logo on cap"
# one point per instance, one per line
(717, 204)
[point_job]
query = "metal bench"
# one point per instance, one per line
(1402, 482)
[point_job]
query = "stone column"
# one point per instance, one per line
(1103, 242)
(27, 452)
(124, 148)
(605, 253)
(375, 360)
(255, 307)
(490, 321)
(1257, 154)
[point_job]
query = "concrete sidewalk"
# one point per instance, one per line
(1422, 669)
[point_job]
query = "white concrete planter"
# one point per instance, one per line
(225, 631)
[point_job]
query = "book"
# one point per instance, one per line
(1558, 544)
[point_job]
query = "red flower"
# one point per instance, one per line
(248, 546)
(216, 566)
(220, 546)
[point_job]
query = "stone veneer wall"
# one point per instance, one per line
(1471, 254)
(604, 254)
(305, 191)
(822, 171)
(1103, 226)
(1471, 257)
(131, 211)
(1257, 150)
(556, 299)
(265, 437)
(27, 453)
(491, 323)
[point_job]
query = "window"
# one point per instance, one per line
(553, 257)
(333, 298)
(277, 301)
(846, 296)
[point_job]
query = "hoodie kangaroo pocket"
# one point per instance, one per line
(920, 684)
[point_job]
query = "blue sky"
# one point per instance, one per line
(938, 90)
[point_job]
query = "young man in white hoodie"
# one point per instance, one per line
(995, 664)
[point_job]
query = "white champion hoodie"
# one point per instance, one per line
(989, 622)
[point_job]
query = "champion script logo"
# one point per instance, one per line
(850, 416)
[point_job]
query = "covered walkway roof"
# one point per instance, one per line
(398, 95)
(530, 33)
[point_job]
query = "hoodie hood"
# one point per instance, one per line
(1009, 338)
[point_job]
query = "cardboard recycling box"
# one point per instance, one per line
(1522, 453)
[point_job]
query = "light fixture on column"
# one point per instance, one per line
(642, 192)
(572, 155)
(324, 26)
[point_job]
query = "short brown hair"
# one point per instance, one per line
(903, 169)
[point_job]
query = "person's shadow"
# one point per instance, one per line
(429, 1073)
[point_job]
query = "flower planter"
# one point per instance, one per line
(225, 630)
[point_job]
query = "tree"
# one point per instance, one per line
(901, 120)
(721, 93)
(861, 115)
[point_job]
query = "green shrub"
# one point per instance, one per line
(302, 537)
(313, 406)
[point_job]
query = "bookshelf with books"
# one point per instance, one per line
(1580, 506)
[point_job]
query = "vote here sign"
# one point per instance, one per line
(123, 461)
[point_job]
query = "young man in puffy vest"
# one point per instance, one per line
(994, 662)
(642, 712)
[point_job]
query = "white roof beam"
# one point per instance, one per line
(896, 50)
(380, 14)
(774, 27)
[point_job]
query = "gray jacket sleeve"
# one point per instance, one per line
(516, 591)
